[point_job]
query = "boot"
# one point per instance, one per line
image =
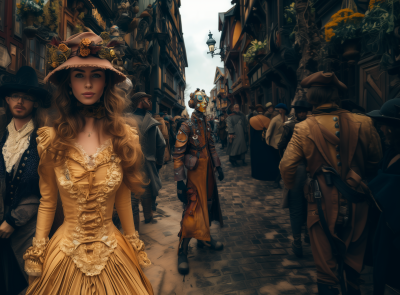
(324, 289)
(183, 262)
(212, 244)
(136, 221)
(297, 247)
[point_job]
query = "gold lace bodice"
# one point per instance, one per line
(89, 186)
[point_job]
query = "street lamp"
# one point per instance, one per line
(211, 46)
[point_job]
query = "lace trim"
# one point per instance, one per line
(34, 257)
(90, 161)
(16, 143)
(138, 246)
(90, 258)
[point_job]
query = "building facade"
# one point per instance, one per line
(153, 56)
(261, 53)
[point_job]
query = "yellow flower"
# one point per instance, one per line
(84, 52)
(63, 48)
(54, 64)
(85, 42)
(19, 5)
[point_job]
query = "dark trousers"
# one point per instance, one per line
(297, 202)
(224, 142)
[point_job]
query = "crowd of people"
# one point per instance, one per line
(340, 169)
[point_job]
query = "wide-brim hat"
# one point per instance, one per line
(389, 112)
(302, 104)
(321, 79)
(259, 106)
(139, 95)
(27, 82)
(282, 106)
(75, 60)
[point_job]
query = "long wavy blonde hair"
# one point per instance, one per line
(69, 123)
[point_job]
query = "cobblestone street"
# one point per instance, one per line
(257, 258)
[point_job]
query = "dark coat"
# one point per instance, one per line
(153, 147)
(25, 183)
(222, 130)
(386, 250)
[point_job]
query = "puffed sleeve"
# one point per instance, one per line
(35, 254)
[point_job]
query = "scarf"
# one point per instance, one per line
(16, 144)
(96, 110)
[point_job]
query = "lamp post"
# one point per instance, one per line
(211, 46)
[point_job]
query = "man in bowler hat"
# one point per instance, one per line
(342, 151)
(19, 190)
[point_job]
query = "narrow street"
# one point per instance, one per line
(257, 258)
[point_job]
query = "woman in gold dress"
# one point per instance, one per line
(92, 158)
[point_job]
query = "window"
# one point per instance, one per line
(170, 79)
(2, 15)
(36, 54)
(17, 21)
(14, 58)
(70, 29)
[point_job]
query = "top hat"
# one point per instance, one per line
(302, 104)
(81, 50)
(389, 112)
(27, 82)
(321, 79)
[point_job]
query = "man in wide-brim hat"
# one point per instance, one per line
(153, 147)
(342, 149)
(19, 160)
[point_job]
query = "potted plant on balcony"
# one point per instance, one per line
(345, 28)
(380, 28)
(30, 12)
(255, 50)
(51, 13)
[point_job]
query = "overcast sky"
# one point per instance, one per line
(198, 17)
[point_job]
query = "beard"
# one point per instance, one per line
(21, 115)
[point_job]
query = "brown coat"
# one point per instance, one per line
(357, 153)
(164, 130)
(194, 138)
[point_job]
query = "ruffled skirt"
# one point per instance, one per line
(122, 274)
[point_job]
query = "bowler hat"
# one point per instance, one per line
(161, 114)
(302, 104)
(282, 106)
(27, 82)
(139, 95)
(389, 112)
(321, 79)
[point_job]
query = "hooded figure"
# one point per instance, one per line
(195, 151)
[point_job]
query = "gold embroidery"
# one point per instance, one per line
(90, 246)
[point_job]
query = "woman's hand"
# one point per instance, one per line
(6, 230)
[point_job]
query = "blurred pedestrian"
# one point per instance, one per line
(273, 136)
(222, 131)
(270, 111)
(258, 147)
(237, 130)
(385, 187)
(294, 198)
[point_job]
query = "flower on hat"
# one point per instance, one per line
(84, 52)
(85, 42)
(63, 48)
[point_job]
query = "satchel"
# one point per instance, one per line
(191, 162)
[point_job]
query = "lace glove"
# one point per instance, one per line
(34, 257)
(138, 245)
(220, 174)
